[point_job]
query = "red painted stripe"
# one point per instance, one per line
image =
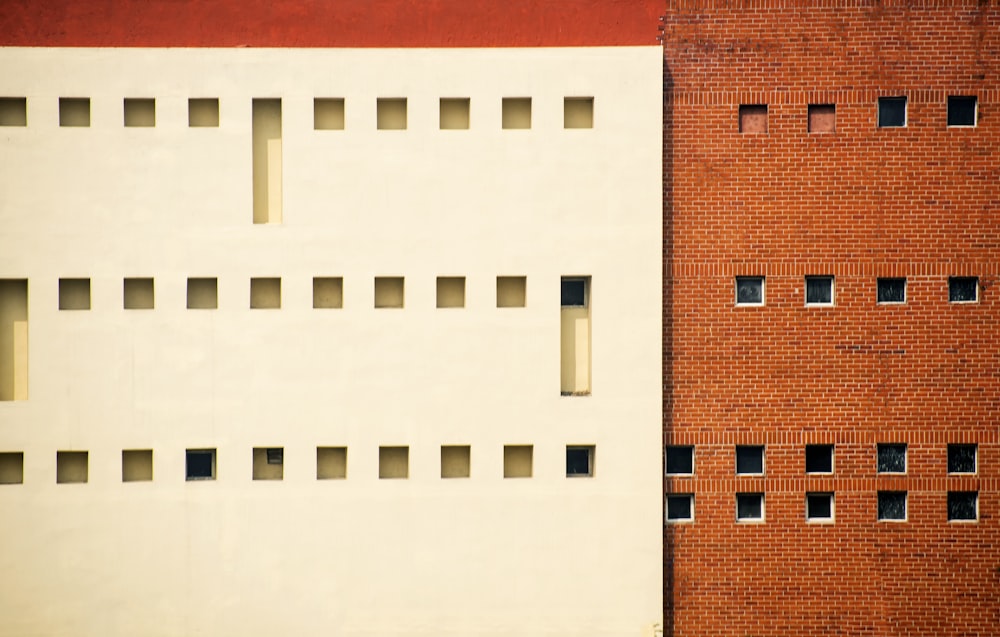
(329, 23)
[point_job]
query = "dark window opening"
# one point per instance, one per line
(891, 112)
(963, 505)
(680, 507)
(819, 458)
(819, 290)
(892, 290)
(819, 506)
(749, 290)
(892, 458)
(750, 459)
(200, 464)
(963, 289)
(680, 460)
(749, 506)
(962, 458)
(892, 505)
(961, 110)
(579, 461)
(574, 292)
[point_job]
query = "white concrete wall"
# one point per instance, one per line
(546, 555)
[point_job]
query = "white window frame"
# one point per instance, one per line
(975, 300)
(833, 459)
(833, 290)
(906, 458)
(763, 512)
(975, 112)
(763, 291)
(906, 507)
(665, 468)
(820, 520)
(972, 520)
(975, 470)
(763, 460)
(906, 110)
(666, 508)
(906, 285)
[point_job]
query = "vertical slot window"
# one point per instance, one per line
(267, 161)
(13, 111)
(575, 336)
(13, 339)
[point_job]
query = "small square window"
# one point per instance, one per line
(203, 112)
(454, 113)
(963, 506)
(451, 291)
(13, 111)
(456, 461)
(963, 289)
(268, 463)
(516, 112)
(822, 118)
(389, 291)
(328, 113)
(140, 112)
(753, 118)
(750, 507)
(679, 460)
(74, 294)
(750, 459)
(892, 458)
(138, 294)
(891, 112)
(12, 467)
(137, 465)
(265, 293)
(892, 506)
(331, 463)
(578, 112)
(71, 467)
(517, 461)
(819, 290)
(680, 507)
(393, 463)
(749, 290)
(74, 111)
(962, 110)
(819, 507)
(962, 458)
(202, 294)
(579, 461)
(199, 464)
(819, 458)
(512, 291)
(328, 292)
(891, 290)
(574, 292)
(391, 113)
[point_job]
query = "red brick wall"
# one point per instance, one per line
(921, 202)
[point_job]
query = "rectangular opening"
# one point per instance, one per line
(819, 458)
(331, 463)
(328, 292)
(388, 291)
(750, 460)
(451, 291)
(753, 118)
(13, 111)
(517, 461)
(265, 293)
(13, 339)
(963, 506)
(962, 110)
(749, 507)
(575, 336)
(454, 113)
(268, 463)
(456, 461)
(749, 290)
(393, 463)
(962, 458)
(391, 113)
(11, 467)
(580, 461)
(680, 507)
(512, 291)
(963, 289)
(822, 118)
(140, 111)
(819, 290)
(819, 507)
(199, 464)
(138, 294)
(71, 467)
(891, 458)
(137, 465)
(74, 111)
(203, 112)
(516, 112)
(267, 161)
(679, 460)
(74, 294)
(328, 113)
(891, 290)
(892, 506)
(578, 112)
(891, 112)
(202, 294)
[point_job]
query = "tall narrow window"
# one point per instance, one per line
(13, 339)
(575, 336)
(267, 161)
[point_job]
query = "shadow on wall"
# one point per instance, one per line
(668, 342)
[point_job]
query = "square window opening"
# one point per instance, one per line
(268, 463)
(819, 290)
(328, 113)
(454, 113)
(203, 112)
(750, 460)
(512, 291)
(963, 506)
(749, 507)
(393, 463)
(391, 113)
(140, 112)
(819, 507)
(753, 118)
(891, 112)
(578, 112)
(388, 291)
(202, 294)
(74, 111)
(328, 292)
(137, 465)
(580, 461)
(138, 294)
(963, 289)
(819, 458)
(962, 458)
(516, 112)
(331, 463)
(517, 461)
(679, 460)
(892, 458)
(456, 461)
(265, 293)
(892, 506)
(13, 111)
(71, 467)
(891, 290)
(12, 467)
(450, 291)
(74, 294)
(199, 464)
(680, 507)
(822, 118)
(749, 290)
(962, 110)
(575, 292)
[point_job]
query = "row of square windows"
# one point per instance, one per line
(679, 460)
(331, 463)
(819, 290)
(963, 111)
(328, 292)
(328, 112)
(963, 506)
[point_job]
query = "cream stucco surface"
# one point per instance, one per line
(357, 555)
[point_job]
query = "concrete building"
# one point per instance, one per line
(329, 318)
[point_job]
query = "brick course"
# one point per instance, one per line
(921, 202)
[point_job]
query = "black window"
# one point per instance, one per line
(892, 505)
(892, 458)
(680, 507)
(749, 506)
(891, 112)
(892, 290)
(819, 290)
(574, 292)
(963, 505)
(819, 458)
(579, 461)
(750, 459)
(680, 460)
(962, 289)
(749, 290)
(200, 464)
(962, 458)
(961, 110)
(819, 506)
